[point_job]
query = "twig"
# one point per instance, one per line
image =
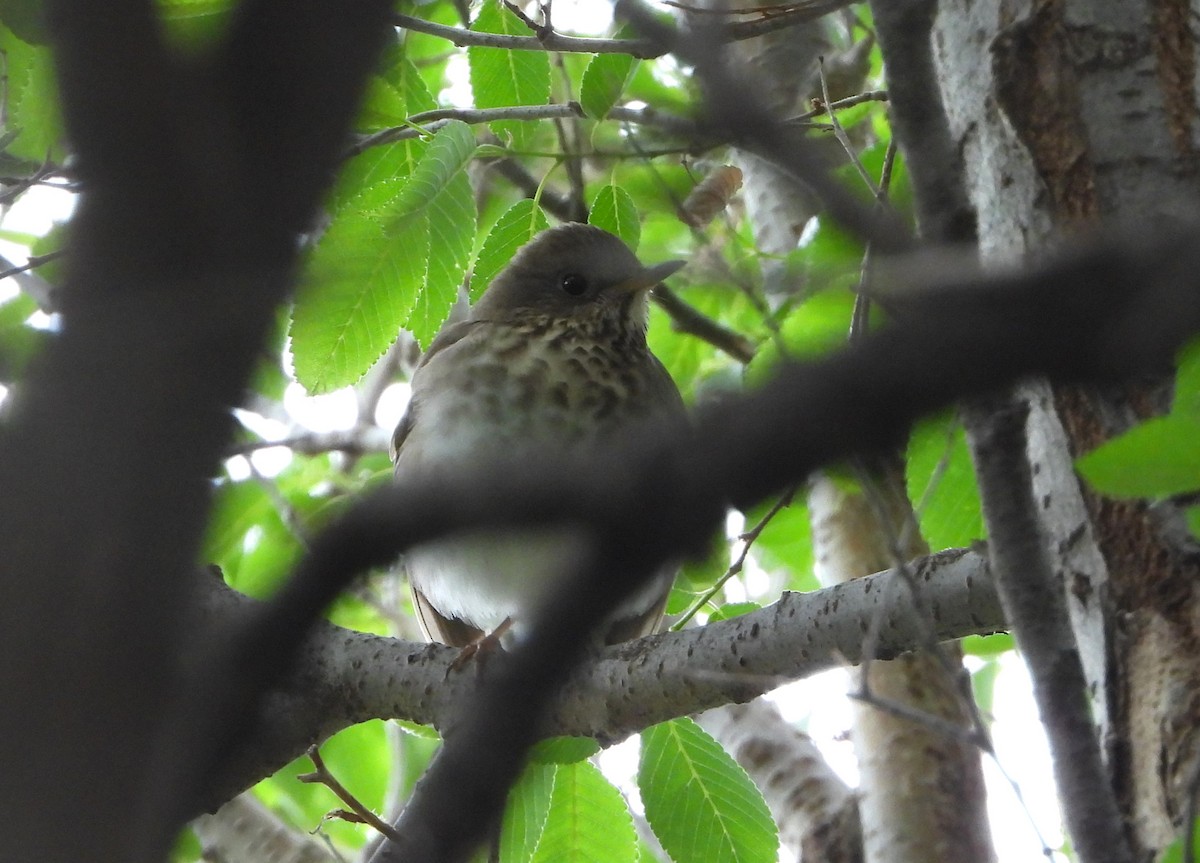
(18, 185)
(840, 133)
(765, 11)
(733, 108)
(551, 201)
(34, 261)
(352, 442)
(428, 122)
(748, 539)
(43, 293)
(822, 108)
(644, 49)
(687, 319)
(541, 31)
(323, 776)
(641, 48)
(971, 737)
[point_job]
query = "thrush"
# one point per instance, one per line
(552, 358)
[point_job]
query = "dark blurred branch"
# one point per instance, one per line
(197, 175)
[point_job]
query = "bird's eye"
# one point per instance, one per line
(574, 284)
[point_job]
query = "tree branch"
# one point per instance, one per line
(344, 677)
(1032, 596)
(687, 319)
(431, 121)
(919, 119)
(645, 49)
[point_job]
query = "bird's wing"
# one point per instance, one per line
(667, 399)
(448, 336)
(437, 627)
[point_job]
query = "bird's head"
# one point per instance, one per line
(573, 272)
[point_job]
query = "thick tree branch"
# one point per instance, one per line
(344, 677)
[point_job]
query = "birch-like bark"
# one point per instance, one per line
(1068, 113)
(921, 796)
(246, 831)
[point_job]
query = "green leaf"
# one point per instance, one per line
(194, 24)
(1192, 514)
(588, 820)
(733, 609)
(526, 812)
(187, 847)
(248, 539)
(700, 803)
(501, 78)
(1187, 381)
(448, 153)
(815, 327)
(1158, 458)
(362, 284)
(416, 729)
(983, 685)
(988, 645)
(26, 19)
(451, 234)
(368, 271)
(603, 82)
(1173, 853)
(18, 340)
(371, 181)
(614, 211)
(396, 94)
(1161, 456)
(563, 750)
(519, 224)
(32, 100)
(941, 483)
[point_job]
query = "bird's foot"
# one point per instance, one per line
(483, 647)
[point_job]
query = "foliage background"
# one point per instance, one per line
(426, 209)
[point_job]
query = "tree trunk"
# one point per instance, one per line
(1068, 113)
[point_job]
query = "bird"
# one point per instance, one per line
(552, 357)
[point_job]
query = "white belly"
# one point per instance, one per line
(485, 579)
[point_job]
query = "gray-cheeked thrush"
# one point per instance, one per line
(553, 355)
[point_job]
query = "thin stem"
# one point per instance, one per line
(748, 539)
(323, 776)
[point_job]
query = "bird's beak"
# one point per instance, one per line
(649, 277)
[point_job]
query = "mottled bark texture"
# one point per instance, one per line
(1069, 113)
